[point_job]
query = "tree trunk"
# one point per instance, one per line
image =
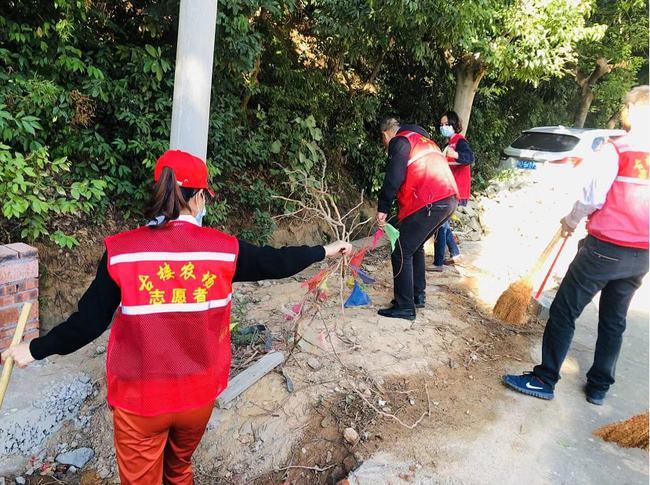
(586, 98)
(614, 120)
(468, 76)
(587, 95)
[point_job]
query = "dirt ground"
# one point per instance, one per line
(392, 381)
(396, 383)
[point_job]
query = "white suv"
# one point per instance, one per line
(555, 144)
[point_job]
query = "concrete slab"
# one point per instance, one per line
(40, 398)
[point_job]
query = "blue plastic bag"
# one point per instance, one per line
(358, 297)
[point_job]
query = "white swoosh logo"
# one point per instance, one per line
(533, 387)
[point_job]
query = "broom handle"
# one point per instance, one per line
(9, 363)
(550, 270)
(545, 254)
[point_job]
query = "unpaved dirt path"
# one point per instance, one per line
(359, 370)
(352, 369)
(526, 440)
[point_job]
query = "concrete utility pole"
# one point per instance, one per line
(193, 78)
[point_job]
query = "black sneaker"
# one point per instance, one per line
(436, 269)
(394, 312)
(595, 396)
(454, 260)
(418, 300)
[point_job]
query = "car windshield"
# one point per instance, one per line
(545, 142)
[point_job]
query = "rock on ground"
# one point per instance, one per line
(351, 436)
(77, 458)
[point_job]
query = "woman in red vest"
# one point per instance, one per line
(167, 287)
(460, 158)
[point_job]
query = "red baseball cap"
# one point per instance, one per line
(190, 171)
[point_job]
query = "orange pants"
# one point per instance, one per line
(155, 449)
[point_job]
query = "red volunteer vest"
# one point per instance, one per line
(623, 219)
(462, 173)
(428, 178)
(169, 347)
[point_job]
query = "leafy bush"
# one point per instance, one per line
(86, 91)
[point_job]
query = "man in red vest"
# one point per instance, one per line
(613, 259)
(418, 176)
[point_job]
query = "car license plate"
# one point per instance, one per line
(526, 164)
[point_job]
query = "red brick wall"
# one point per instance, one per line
(18, 284)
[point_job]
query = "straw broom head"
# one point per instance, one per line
(631, 433)
(512, 305)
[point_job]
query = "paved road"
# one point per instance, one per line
(539, 442)
(534, 441)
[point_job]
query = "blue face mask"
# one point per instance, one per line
(447, 131)
(200, 215)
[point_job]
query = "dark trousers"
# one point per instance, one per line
(408, 257)
(445, 239)
(615, 271)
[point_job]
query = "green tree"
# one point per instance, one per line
(506, 40)
(86, 88)
(523, 40)
(611, 65)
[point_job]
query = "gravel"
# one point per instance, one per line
(26, 429)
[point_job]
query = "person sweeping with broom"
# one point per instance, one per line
(168, 288)
(612, 260)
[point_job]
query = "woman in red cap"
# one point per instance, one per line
(167, 287)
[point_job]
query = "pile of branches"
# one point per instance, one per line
(310, 200)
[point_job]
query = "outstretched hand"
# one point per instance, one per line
(381, 219)
(20, 353)
(567, 229)
(338, 248)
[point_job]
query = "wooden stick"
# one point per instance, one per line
(545, 254)
(550, 269)
(313, 468)
(248, 377)
(9, 364)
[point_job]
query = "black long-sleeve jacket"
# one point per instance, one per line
(465, 153)
(101, 299)
(398, 155)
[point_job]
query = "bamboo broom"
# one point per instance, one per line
(513, 303)
(551, 268)
(9, 364)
